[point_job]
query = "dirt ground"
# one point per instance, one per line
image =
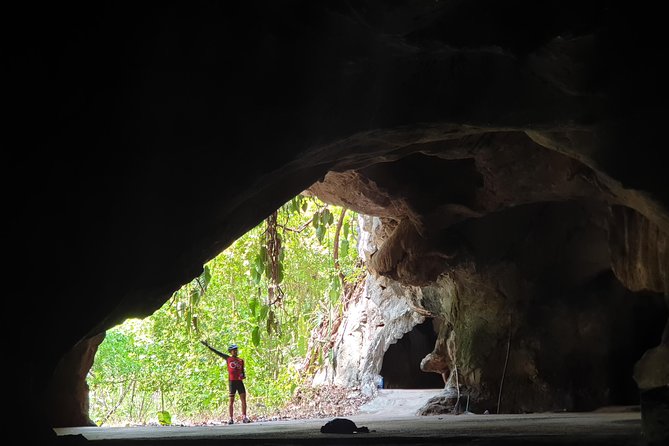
(323, 402)
(307, 403)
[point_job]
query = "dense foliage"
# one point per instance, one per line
(267, 292)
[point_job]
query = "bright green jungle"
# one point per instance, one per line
(276, 292)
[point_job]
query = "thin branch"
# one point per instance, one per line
(298, 230)
(197, 279)
(115, 408)
(506, 360)
(457, 386)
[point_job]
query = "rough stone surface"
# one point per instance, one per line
(510, 337)
(67, 396)
(376, 319)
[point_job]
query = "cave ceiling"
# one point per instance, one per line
(423, 190)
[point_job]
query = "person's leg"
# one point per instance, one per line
(231, 406)
(242, 397)
(231, 403)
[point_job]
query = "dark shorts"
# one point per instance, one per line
(237, 386)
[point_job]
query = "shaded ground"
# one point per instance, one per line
(391, 420)
(593, 428)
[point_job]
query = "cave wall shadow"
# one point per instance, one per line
(401, 362)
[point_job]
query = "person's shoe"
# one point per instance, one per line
(246, 419)
(231, 421)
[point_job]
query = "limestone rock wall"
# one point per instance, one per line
(639, 251)
(377, 317)
(520, 329)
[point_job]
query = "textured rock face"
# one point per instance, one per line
(154, 135)
(377, 318)
(67, 396)
(520, 329)
(640, 251)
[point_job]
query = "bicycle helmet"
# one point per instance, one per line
(232, 347)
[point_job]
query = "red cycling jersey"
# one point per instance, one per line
(235, 368)
(235, 364)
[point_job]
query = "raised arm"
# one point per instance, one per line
(221, 354)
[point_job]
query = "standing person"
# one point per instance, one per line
(236, 377)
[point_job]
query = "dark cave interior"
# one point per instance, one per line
(401, 362)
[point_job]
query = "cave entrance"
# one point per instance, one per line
(401, 362)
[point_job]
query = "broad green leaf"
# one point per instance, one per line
(253, 305)
(164, 418)
(343, 248)
(279, 273)
(259, 264)
(255, 336)
(194, 296)
(263, 312)
(256, 276)
(206, 276)
(320, 232)
(333, 294)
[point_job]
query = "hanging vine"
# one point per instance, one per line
(187, 298)
(274, 261)
(274, 273)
